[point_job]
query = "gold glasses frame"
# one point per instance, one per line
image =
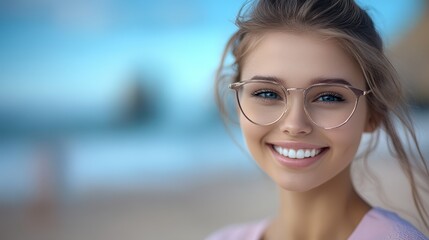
(357, 92)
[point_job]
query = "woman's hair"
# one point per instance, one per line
(353, 29)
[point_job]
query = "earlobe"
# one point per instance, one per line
(372, 124)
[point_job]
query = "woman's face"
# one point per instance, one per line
(298, 61)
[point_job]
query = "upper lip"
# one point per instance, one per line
(297, 145)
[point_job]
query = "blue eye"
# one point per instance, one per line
(267, 94)
(330, 97)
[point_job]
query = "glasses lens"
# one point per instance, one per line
(261, 102)
(330, 106)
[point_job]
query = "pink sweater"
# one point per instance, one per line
(377, 224)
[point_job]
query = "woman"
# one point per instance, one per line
(311, 77)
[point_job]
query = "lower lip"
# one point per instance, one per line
(295, 162)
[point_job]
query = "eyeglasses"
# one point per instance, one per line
(327, 105)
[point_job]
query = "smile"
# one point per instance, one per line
(297, 153)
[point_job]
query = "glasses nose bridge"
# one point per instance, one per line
(297, 103)
(295, 89)
(290, 90)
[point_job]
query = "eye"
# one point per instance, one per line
(267, 94)
(329, 97)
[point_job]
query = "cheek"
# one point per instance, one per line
(348, 137)
(253, 136)
(250, 134)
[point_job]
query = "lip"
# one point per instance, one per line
(296, 145)
(297, 163)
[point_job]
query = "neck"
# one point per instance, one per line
(330, 211)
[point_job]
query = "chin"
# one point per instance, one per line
(295, 186)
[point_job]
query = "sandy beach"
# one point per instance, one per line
(188, 213)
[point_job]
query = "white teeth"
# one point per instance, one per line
(300, 154)
(292, 153)
(297, 153)
(307, 153)
(285, 152)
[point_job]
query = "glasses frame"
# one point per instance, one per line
(358, 93)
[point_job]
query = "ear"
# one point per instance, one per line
(372, 123)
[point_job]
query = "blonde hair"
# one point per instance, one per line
(353, 29)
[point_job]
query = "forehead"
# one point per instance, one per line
(300, 58)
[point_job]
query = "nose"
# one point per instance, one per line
(295, 121)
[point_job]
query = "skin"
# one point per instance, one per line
(317, 201)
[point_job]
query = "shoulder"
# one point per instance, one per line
(247, 231)
(382, 224)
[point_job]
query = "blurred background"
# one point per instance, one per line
(108, 126)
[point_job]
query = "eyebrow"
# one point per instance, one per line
(331, 80)
(315, 81)
(268, 78)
